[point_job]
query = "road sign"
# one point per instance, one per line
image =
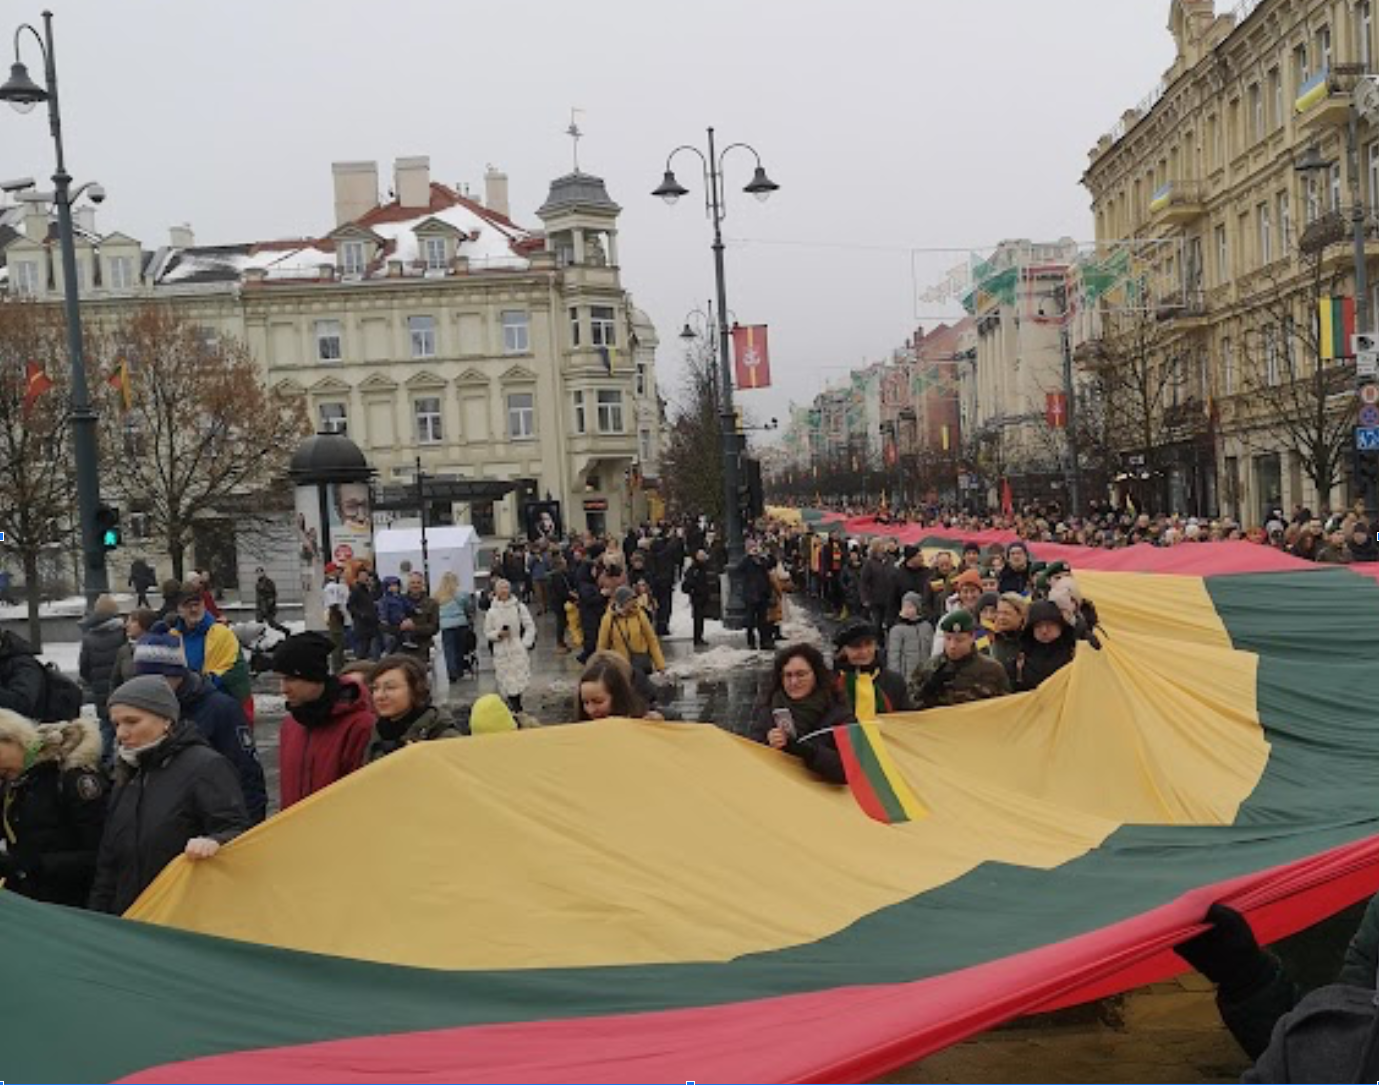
(1367, 363)
(1369, 415)
(1367, 439)
(1363, 343)
(1369, 393)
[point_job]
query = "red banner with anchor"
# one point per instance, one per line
(1056, 409)
(751, 357)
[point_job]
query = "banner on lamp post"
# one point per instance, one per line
(751, 357)
(1056, 409)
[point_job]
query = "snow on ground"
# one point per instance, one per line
(65, 653)
(728, 651)
(74, 606)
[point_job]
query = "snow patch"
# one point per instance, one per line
(65, 653)
(74, 606)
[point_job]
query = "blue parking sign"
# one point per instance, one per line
(1367, 438)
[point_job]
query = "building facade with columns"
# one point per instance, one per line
(1197, 186)
(429, 327)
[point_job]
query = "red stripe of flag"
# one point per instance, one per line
(862, 788)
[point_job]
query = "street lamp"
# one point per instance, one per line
(760, 186)
(23, 94)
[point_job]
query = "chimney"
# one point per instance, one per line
(496, 191)
(412, 181)
(181, 237)
(85, 218)
(356, 189)
(36, 221)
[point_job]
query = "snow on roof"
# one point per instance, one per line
(487, 244)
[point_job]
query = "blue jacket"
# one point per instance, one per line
(220, 721)
(394, 609)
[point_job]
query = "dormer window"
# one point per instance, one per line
(24, 278)
(437, 251)
(352, 260)
(121, 273)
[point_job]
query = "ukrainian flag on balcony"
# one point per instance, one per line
(1312, 92)
(1161, 197)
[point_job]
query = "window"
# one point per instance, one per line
(1256, 112)
(521, 416)
(1218, 158)
(1300, 69)
(1266, 234)
(437, 254)
(1374, 176)
(1364, 30)
(602, 330)
(610, 411)
(581, 421)
(428, 413)
(644, 446)
(1289, 346)
(1223, 257)
(24, 274)
(1285, 224)
(334, 417)
(1312, 197)
(1271, 370)
(121, 273)
(1242, 241)
(1324, 49)
(352, 258)
(641, 378)
(1335, 194)
(423, 332)
(328, 340)
(516, 332)
(574, 326)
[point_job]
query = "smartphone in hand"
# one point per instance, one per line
(785, 720)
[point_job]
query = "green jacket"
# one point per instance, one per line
(426, 621)
(942, 682)
(430, 725)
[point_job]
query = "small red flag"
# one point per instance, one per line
(1056, 409)
(752, 357)
(36, 382)
(1007, 500)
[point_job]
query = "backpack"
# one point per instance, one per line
(62, 697)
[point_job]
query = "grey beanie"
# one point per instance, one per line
(914, 599)
(151, 693)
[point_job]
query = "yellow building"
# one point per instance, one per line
(1229, 247)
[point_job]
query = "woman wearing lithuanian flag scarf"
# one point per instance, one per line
(869, 689)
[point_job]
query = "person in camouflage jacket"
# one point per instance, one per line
(962, 673)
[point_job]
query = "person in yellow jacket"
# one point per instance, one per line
(628, 631)
(213, 651)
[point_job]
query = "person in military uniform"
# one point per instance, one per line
(52, 794)
(961, 674)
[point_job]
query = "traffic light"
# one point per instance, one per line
(108, 526)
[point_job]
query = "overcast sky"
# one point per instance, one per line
(893, 126)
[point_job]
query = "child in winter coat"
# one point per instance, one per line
(911, 638)
(393, 609)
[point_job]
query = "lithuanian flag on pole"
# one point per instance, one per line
(1335, 326)
(626, 901)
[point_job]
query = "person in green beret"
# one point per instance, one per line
(961, 674)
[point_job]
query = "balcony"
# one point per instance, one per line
(1184, 309)
(1321, 101)
(1176, 203)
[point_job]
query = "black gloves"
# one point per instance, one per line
(1228, 954)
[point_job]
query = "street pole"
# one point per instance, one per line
(83, 417)
(1357, 225)
(1070, 408)
(421, 513)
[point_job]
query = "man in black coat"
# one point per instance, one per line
(23, 682)
(141, 579)
(592, 602)
(755, 574)
(661, 574)
(911, 575)
(102, 637)
(698, 584)
(266, 602)
(363, 608)
(53, 794)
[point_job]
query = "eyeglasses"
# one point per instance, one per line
(796, 676)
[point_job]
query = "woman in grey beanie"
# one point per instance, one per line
(173, 795)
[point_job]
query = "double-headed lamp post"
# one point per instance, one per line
(23, 94)
(761, 186)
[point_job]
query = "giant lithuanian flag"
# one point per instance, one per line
(631, 902)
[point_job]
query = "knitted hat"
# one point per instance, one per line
(988, 599)
(957, 621)
(160, 653)
(911, 552)
(1044, 611)
(623, 595)
(969, 576)
(490, 716)
(150, 693)
(912, 599)
(303, 655)
(1018, 601)
(856, 632)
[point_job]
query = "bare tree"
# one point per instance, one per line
(1293, 397)
(692, 467)
(201, 431)
(37, 484)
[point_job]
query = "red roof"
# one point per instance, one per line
(442, 196)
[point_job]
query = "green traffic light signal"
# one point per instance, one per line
(108, 525)
(111, 539)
